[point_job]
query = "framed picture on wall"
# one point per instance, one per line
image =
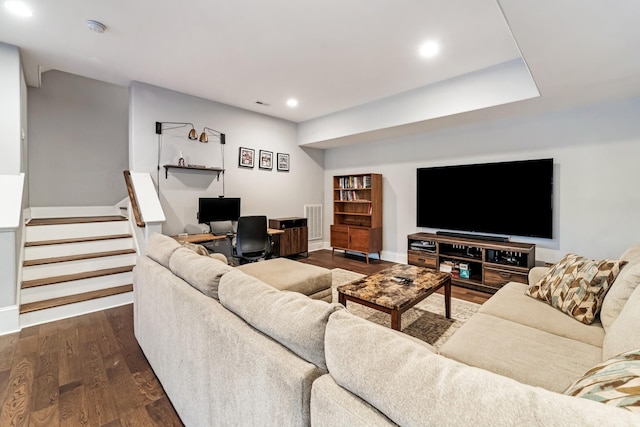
(245, 159)
(266, 160)
(283, 162)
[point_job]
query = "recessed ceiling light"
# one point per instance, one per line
(18, 8)
(429, 49)
(292, 102)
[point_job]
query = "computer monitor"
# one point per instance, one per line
(218, 209)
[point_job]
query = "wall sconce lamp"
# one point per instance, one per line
(193, 135)
(208, 131)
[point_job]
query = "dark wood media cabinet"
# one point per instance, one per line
(294, 240)
(490, 264)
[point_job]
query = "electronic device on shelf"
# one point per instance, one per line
(424, 246)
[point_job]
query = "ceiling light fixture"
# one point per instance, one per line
(291, 102)
(96, 27)
(18, 8)
(429, 49)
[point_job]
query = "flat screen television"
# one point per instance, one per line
(218, 209)
(506, 198)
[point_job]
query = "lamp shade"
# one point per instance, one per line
(193, 135)
(204, 137)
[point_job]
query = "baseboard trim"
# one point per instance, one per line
(9, 320)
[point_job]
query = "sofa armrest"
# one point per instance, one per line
(536, 274)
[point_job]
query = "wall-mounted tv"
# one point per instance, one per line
(506, 198)
(218, 209)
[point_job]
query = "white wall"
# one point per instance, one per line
(10, 110)
(595, 151)
(78, 144)
(268, 192)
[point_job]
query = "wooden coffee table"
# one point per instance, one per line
(387, 292)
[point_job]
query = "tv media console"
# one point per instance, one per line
(473, 263)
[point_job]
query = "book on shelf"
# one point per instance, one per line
(357, 182)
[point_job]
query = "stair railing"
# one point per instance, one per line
(134, 201)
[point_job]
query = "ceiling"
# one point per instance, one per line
(331, 55)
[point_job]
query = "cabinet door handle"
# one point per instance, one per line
(505, 275)
(422, 260)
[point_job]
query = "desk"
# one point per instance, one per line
(207, 237)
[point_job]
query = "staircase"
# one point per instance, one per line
(75, 265)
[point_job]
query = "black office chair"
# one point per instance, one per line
(252, 239)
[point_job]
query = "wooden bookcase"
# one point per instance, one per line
(491, 264)
(357, 213)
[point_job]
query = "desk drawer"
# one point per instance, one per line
(496, 277)
(422, 260)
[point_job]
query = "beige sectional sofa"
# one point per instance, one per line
(232, 350)
(525, 339)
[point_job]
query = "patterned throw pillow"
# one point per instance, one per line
(613, 382)
(577, 285)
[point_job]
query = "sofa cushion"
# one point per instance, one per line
(613, 382)
(160, 248)
(624, 333)
(521, 352)
(512, 304)
(617, 296)
(632, 255)
(201, 272)
(577, 285)
(292, 319)
(415, 387)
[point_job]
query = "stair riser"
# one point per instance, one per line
(73, 211)
(73, 267)
(68, 231)
(41, 293)
(76, 309)
(66, 249)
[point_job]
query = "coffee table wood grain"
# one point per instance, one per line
(386, 292)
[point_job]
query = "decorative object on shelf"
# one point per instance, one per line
(245, 159)
(181, 159)
(283, 162)
(266, 160)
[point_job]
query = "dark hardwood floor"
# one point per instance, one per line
(89, 370)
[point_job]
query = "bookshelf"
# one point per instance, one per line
(357, 213)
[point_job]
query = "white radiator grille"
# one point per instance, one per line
(313, 213)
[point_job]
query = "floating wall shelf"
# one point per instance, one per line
(217, 171)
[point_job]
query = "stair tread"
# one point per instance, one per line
(54, 260)
(75, 220)
(75, 276)
(77, 240)
(70, 299)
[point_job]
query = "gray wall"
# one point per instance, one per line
(263, 192)
(596, 174)
(78, 144)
